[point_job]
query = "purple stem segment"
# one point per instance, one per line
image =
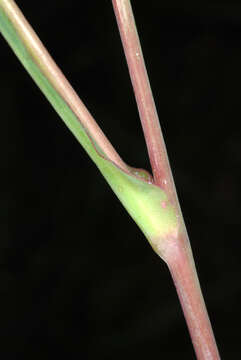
(146, 106)
(176, 250)
(179, 259)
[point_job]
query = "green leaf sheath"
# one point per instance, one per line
(146, 203)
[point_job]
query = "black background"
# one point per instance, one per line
(78, 278)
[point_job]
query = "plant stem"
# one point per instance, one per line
(175, 248)
(145, 102)
(58, 80)
(179, 258)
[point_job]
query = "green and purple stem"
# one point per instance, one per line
(173, 247)
(152, 204)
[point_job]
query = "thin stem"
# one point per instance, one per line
(174, 248)
(146, 106)
(58, 80)
(179, 258)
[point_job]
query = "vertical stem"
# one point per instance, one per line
(175, 250)
(179, 258)
(146, 106)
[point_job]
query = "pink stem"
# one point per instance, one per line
(58, 80)
(146, 106)
(177, 252)
(179, 258)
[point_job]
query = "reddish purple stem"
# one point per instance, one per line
(176, 251)
(146, 106)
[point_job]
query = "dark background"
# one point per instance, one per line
(78, 279)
